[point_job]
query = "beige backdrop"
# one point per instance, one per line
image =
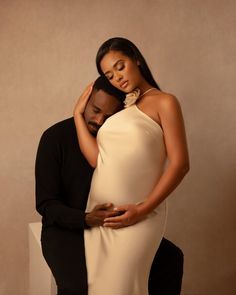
(47, 52)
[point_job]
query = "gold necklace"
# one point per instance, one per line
(145, 92)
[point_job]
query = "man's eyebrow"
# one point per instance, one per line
(96, 107)
(107, 114)
(115, 65)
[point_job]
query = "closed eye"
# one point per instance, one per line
(120, 67)
(109, 76)
(96, 111)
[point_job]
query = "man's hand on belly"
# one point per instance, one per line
(99, 213)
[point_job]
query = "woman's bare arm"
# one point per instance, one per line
(170, 114)
(87, 141)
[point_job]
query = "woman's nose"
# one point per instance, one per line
(118, 77)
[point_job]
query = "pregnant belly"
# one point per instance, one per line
(120, 187)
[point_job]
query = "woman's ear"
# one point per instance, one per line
(138, 62)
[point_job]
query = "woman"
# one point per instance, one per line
(131, 171)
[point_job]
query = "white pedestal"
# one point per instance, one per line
(41, 281)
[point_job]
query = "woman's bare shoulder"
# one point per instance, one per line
(164, 100)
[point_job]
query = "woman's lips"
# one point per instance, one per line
(124, 84)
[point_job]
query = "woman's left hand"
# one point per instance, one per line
(83, 100)
(130, 215)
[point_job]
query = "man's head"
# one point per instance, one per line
(104, 101)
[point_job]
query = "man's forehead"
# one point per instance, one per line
(104, 102)
(97, 94)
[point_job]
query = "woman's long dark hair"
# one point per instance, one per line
(129, 49)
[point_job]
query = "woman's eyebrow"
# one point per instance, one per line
(114, 66)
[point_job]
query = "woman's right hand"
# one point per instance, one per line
(83, 100)
(87, 142)
(130, 214)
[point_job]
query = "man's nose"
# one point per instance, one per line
(99, 119)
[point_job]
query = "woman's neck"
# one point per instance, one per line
(144, 86)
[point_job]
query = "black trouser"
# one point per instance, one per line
(63, 250)
(167, 270)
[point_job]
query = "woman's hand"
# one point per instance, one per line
(130, 214)
(83, 100)
(87, 142)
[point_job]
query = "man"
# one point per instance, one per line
(63, 179)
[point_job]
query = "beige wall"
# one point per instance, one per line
(47, 51)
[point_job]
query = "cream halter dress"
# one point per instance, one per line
(131, 159)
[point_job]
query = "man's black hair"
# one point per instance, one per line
(103, 84)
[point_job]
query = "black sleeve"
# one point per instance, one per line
(49, 198)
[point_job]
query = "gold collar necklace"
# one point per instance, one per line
(145, 92)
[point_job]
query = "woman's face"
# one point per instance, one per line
(122, 71)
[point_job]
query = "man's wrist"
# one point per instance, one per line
(86, 221)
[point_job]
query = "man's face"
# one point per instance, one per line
(100, 107)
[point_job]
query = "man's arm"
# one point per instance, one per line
(49, 199)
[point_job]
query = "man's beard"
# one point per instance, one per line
(95, 127)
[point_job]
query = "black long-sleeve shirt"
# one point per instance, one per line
(63, 177)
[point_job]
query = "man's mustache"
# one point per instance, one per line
(95, 125)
